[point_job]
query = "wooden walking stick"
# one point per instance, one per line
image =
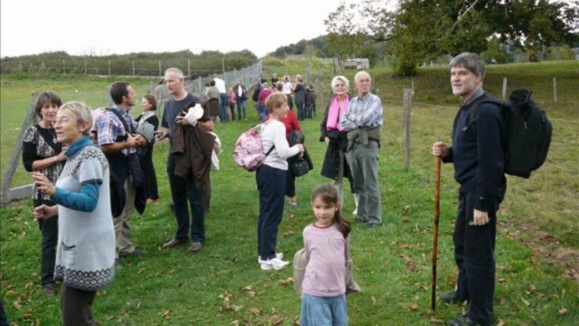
(435, 246)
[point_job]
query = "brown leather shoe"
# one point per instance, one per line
(174, 243)
(49, 290)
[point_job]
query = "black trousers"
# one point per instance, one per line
(49, 230)
(271, 186)
(151, 188)
(76, 307)
(474, 252)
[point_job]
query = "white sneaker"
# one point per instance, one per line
(275, 264)
(278, 255)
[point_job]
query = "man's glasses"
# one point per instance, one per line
(61, 121)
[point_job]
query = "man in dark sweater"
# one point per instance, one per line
(477, 154)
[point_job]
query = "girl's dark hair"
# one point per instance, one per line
(44, 98)
(329, 195)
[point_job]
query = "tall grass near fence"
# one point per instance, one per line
(222, 285)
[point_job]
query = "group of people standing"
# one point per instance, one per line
(303, 96)
(94, 187)
(220, 100)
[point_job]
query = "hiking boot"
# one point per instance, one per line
(274, 263)
(195, 247)
(49, 290)
(174, 243)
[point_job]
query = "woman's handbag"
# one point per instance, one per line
(300, 167)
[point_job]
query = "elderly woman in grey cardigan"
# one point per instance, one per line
(85, 256)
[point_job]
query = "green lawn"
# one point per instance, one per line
(223, 284)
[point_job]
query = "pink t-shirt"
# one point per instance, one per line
(326, 271)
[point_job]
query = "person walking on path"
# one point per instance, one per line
(477, 156)
(363, 121)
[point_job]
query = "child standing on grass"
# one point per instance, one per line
(327, 245)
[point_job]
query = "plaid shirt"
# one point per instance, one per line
(363, 113)
(109, 127)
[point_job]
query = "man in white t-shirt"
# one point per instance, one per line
(220, 84)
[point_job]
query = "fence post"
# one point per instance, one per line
(85, 68)
(63, 70)
(407, 120)
(109, 67)
(504, 88)
(188, 67)
(160, 73)
(555, 89)
(133, 68)
(15, 160)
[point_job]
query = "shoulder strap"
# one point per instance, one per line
(130, 129)
(480, 102)
(262, 126)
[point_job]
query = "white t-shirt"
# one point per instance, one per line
(220, 84)
(287, 88)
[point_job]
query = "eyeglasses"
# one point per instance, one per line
(62, 121)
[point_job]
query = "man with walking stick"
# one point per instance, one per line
(477, 155)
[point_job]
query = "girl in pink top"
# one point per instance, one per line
(232, 102)
(327, 244)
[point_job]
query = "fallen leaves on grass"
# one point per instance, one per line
(409, 263)
(413, 307)
(501, 323)
(249, 291)
(276, 319)
(167, 315)
(435, 320)
(227, 302)
(256, 311)
(286, 282)
(563, 311)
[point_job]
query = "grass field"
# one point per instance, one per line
(222, 285)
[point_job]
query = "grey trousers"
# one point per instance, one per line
(363, 160)
(76, 307)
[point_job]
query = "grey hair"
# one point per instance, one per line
(470, 61)
(338, 78)
(82, 111)
(176, 71)
(361, 74)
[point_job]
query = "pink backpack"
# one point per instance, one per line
(249, 150)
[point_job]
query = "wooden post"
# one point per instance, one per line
(15, 160)
(504, 88)
(85, 68)
(133, 68)
(109, 67)
(160, 72)
(188, 67)
(63, 70)
(555, 89)
(407, 120)
(412, 85)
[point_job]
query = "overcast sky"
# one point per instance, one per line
(104, 27)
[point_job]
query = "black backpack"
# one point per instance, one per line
(255, 95)
(528, 132)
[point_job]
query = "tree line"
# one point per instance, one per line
(417, 31)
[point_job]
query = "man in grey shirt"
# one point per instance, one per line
(363, 121)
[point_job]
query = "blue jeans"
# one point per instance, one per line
(271, 186)
(322, 311)
(223, 106)
(183, 190)
(301, 111)
(241, 109)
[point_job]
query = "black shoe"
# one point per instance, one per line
(359, 220)
(465, 321)
(451, 298)
(136, 252)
